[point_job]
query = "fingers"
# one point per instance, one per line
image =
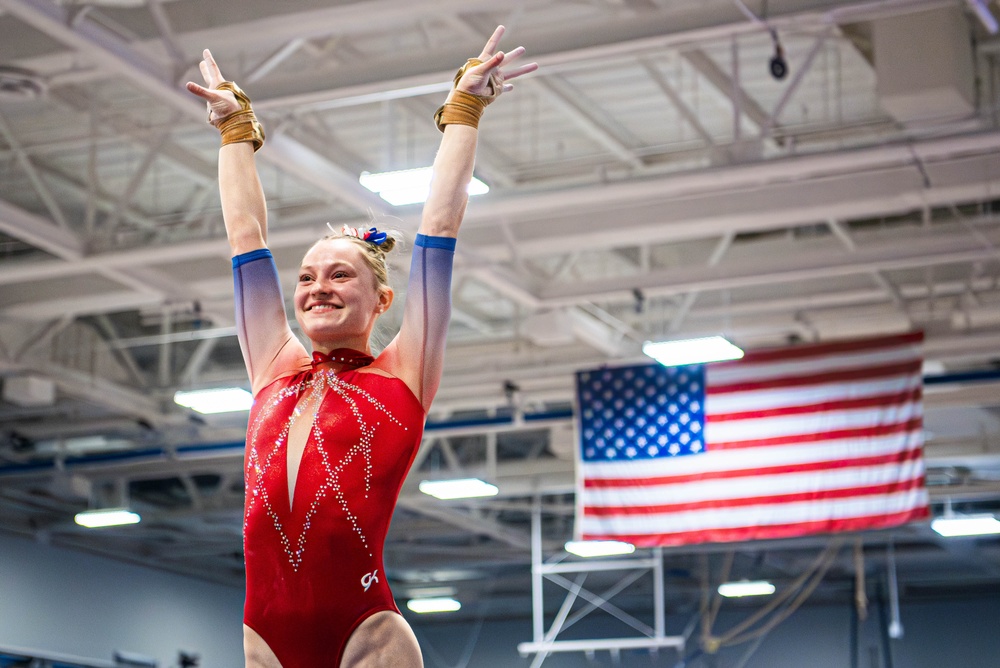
(514, 54)
(518, 71)
(201, 91)
(212, 68)
(492, 42)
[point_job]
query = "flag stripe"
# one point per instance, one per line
(725, 504)
(820, 350)
(722, 404)
(750, 459)
(759, 514)
(747, 487)
(864, 373)
(894, 458)
(774, 531)
(737, 431)
(876, 401)
(912, 424)
(751, 371)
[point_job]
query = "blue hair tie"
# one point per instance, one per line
(373, 236)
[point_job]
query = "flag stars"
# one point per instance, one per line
(642, 412)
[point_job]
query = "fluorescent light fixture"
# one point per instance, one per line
(966, 525)
(409, 186)
(598, 548)
(106, 517)
(745, 588)
(219, 400)
(464, 488)
(692, 351)
(425, 605)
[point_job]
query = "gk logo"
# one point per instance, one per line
(368, 578)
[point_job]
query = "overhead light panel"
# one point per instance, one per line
(599, 548)
(464, 488)
(746, 588)
(692, 351)
(106, 517)
(219, 400)
(409, 186)
(427, 605)
(966, 525)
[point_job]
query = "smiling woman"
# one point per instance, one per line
(333, 434)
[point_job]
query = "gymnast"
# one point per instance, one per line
(331, 436)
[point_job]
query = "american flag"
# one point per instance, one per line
(786, 442)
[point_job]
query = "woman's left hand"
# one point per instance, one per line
(495, 69)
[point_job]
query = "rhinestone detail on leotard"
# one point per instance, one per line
(317, 386)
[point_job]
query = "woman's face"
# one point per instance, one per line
(337, 298)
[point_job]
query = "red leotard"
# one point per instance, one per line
(314, 567)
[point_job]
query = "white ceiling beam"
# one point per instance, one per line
(926, 251)
(39, 232)
(768, 195)
(675, 99)
(551, 87)
(122, 59)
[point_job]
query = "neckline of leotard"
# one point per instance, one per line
(348, 358)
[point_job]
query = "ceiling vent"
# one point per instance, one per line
(19, 84)
(924, 66)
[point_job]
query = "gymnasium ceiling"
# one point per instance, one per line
(651, 180)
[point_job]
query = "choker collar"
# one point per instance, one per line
(348, 358)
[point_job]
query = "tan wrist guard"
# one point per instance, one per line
(240, 126)
(461, 109)
(464, 108)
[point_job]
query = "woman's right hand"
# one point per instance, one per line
(221, 103)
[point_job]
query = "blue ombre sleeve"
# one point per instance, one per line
(424, 328)
(270, 350)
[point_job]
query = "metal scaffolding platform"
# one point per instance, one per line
(546, 642)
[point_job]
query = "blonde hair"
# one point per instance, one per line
(374, 254)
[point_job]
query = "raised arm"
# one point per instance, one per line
(270, 350)
(445, 206)
(416, 355)
(243, 206)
